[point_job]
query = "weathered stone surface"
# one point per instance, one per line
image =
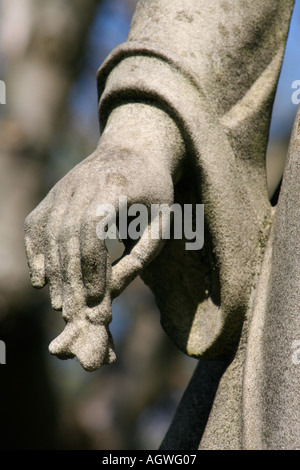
(62, 245)
(185, 107)
(272, 372)
(223, 114)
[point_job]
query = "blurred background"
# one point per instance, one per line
(50, 51)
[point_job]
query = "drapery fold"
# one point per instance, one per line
(214, 69)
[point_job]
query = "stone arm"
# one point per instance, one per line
(190, 80)
(185, 107)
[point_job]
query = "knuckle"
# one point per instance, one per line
(88, 227)
(68, 230)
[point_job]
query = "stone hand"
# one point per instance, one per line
(63, 248)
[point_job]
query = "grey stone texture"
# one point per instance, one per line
(184, 109)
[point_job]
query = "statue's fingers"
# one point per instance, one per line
(72, 288)
(98, 223)
(86, 334)
(140, 255)
(93, 255)
(34, 228)
(90, 342)
(52, 262)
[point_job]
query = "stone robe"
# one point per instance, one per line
(213, 66)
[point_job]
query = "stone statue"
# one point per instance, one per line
(184, 108)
